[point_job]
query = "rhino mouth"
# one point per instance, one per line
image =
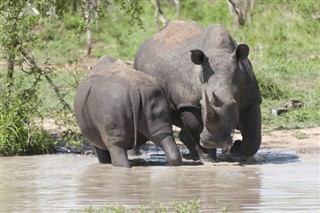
(210, 144)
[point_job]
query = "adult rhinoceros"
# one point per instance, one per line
(210, 82)
(118, 109)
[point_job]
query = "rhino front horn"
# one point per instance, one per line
(211, 116)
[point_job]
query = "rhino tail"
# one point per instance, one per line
(135, 104)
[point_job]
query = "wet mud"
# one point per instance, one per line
(275, 180)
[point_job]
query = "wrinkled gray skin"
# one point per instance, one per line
(118, 109)
(210, 83)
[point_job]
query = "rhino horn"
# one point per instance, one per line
(211, 115)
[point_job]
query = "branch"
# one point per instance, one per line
(234, 7)
(50, 81)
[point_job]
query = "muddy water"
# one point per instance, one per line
(277, 181)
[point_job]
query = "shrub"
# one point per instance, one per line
(18, 133)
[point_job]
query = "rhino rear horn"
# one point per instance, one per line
(211, 116)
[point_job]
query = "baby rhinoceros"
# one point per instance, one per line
(118, 108)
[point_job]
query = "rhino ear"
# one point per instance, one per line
(198, 56)
(241, 52)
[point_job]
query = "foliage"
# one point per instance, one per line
(18, 134)
(192, 206)
(133, 10)
(20, 102)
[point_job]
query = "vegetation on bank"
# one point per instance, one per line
(284, 49)
(192, 206)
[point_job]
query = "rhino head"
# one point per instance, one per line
(221, 80)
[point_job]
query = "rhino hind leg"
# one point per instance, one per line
(119, 156)
(103, 155)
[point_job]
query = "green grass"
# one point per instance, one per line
(192, 206)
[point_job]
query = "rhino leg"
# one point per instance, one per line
(103, 155)
(191, 135)
(171, 150)
(119, 156)
(116, 146)
(189, 143)
(250, 128)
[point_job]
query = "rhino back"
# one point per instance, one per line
(167, 56)
(154, 113)
(103, 104)
(103, 64)
(102, 108)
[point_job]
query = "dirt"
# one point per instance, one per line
(303, 141)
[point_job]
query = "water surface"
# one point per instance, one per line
(278, 181)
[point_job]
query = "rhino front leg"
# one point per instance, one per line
(250, 128)
(190, 136)
(171, 150)
(196, 152)
(186, 139)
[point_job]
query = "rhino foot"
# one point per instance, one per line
(206, 155)
(235, 149)
(235, 153)
(207, 158)
(192, 155)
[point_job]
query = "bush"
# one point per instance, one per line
(192, 206)
(18, 133)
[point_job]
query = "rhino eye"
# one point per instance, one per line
(217, 103)
(215, 100)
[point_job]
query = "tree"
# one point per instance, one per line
(19, 104)
(241, 10)
(158, 12)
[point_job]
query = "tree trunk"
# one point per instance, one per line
(11, 60)
(88, 16)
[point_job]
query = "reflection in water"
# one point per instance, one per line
(63, 182)
(215, 186)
